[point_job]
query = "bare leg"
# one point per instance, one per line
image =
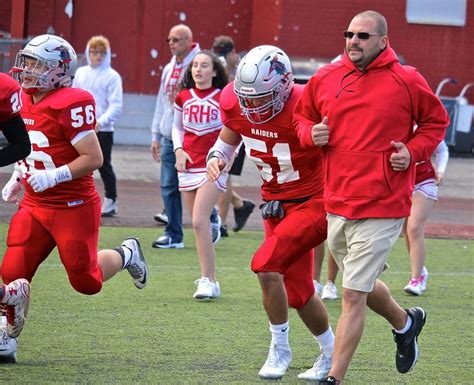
(275, 301)
(332, 268)
(381, 301)
(318, 261)
(314, 315)
(110, 263)
(349, 330)
(415, 232)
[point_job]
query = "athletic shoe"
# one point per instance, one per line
(224, 231)
(407, 343)
(7, 348)
(207, 289)
(329, 291)
(165, 242)
(277, 363)
(414, 287)
(137, 266)
(329, 381)
(424, 278)
(216, 223)
(16, 298)
(319, 370)
(109, 208)
(242, 214)
(161, 217)
(318, 287)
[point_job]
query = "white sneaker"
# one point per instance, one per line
(216, 223)
(137, 267)
(109, 207)
(207, 289)
(319, 370)
(424, 278)
(414, 287)
(277, 363)
(329, 291)
(7, 348)
(16, 299)
(318, 287)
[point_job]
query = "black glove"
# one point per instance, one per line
(272, 209)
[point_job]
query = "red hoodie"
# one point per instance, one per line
(367, 110)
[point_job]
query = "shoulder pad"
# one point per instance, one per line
(65, 97)
(228, 99)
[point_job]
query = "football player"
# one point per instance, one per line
(11, 123)
(60, 207)
(258, 109)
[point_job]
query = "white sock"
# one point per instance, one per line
(127, 256)
(406, 328)
(280, 334)
(326, 342)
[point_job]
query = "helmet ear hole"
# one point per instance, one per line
(272, 76)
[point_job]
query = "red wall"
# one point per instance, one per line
(301, 27)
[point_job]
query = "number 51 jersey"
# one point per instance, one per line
(54, 124)
(288, 171)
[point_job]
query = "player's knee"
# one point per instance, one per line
(85, 284)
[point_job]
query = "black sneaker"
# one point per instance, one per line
(242, 214)
(329, 381)
(224, 231)
(407, 343)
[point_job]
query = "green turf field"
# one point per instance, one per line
(161, 335)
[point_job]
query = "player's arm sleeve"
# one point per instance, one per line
(114, 101)
(19, 146)
(305, 115)
(441, 157)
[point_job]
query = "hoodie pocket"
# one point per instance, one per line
(358, 175)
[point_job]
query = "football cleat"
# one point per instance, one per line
(7, 348)
(207, 289)
(16, 298)
(319, 371)
(277, 363)
(137, 266)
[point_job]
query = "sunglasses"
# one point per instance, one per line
(174, 39)
(360, 35)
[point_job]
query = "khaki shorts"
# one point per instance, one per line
(361, 247)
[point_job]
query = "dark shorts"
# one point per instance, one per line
(238, 164)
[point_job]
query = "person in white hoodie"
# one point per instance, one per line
(105, 84)
(183, 49)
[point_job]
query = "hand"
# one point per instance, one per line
(156, 150)
(320, 132)
(41, 180)
(181, 158)
(214, 167)
(439, 178)
(12, 189)
(400, 160)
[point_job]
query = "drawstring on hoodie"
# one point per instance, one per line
(343, 88)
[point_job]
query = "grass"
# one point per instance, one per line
(161, 335)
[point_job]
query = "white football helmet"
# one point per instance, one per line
(55, 66)
(265, 71)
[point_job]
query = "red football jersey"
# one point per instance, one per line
(197, 113)
(54, 125)
(288, 171)
(10, 100)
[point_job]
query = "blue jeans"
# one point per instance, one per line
(170, 193)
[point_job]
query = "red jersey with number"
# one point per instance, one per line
(198, 118)
(10, 101)
(288, 171)
(54, 124)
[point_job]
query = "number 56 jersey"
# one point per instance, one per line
(288, 171)
(54, 124)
